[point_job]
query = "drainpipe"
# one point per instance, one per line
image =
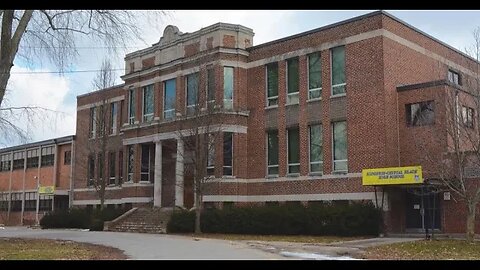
(10, 187)
(72, 163)
(55, 167)
(23, 189)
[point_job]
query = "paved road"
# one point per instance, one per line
(152, 246)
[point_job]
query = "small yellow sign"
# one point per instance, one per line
(46, 190)
(392, 176)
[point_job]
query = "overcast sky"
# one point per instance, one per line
(59, 92)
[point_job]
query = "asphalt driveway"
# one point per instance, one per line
(152, 246)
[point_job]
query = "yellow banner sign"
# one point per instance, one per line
(392, 176)
(46, 190)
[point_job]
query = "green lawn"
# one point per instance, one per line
(282, 238)
(426, 250)
(39, 249)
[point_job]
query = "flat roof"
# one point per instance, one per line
(36, 144)
(361, 17)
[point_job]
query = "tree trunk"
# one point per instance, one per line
(198, 211)
(471, 220)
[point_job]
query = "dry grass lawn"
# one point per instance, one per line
(426, 250)
(42, 249)
(281, 238)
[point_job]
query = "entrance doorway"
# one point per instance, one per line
(422, 209)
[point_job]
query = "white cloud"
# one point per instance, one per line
(43, 90)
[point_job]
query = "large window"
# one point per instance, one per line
(93, 122)
(467, 116)
(48, 156)
(120, 167)
(272, 84)
(272, 152)
(5, 163)
(227, 153)
(131, 106)
(113, 117)
(316, 148)
(130, 163)
(292, 81)
(340, 159)
(293, 150)
(420, 114)
(91, 170)
(192, 92)
(314, 76)
(146, 162)
(338, 71)
(101, 166)
(148, 103)
(454, 77)
(211, 155)
(32, 158)
(228, 87)
(18, 160)
(111, 168)
(211, 86)
(169, 99)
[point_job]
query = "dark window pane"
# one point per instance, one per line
(293, 151)
(419, 114)
(338, 70)
(169, 99)
(292, 75)
(314, 71)
(211, 84)
(227, 153)
(272, 80)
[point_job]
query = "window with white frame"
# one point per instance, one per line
(48, 156)
(18, 160)
(272, 152)
(454, 77)
(228, 88)
(5, 162)
(145, 164)
(316, 148)
(131, 106)
(91, 170)
(314, 76)
(111, 168)
(148, 103)
(338, 71)
(130, 163)
(169, 99)
(292, 80)
(468, 116)
(93, 122)
(272, 84)
(32, 158)
(340, 160)
(227, 153)
(192, 92)
(211, 155)
(113, 117)
(420, 113)
(293, 144)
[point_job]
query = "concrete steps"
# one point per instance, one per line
(142, 220)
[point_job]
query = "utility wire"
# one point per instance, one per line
(61, 72)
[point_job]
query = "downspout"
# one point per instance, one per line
(37, 207)
(24, 175)
(72, 163)
(55, 167)
(10, 188)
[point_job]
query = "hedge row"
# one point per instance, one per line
(322, 219)
(80, 218)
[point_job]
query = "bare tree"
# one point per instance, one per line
(98, 144)
(54, 35)
(200, 128)
(458, 138)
